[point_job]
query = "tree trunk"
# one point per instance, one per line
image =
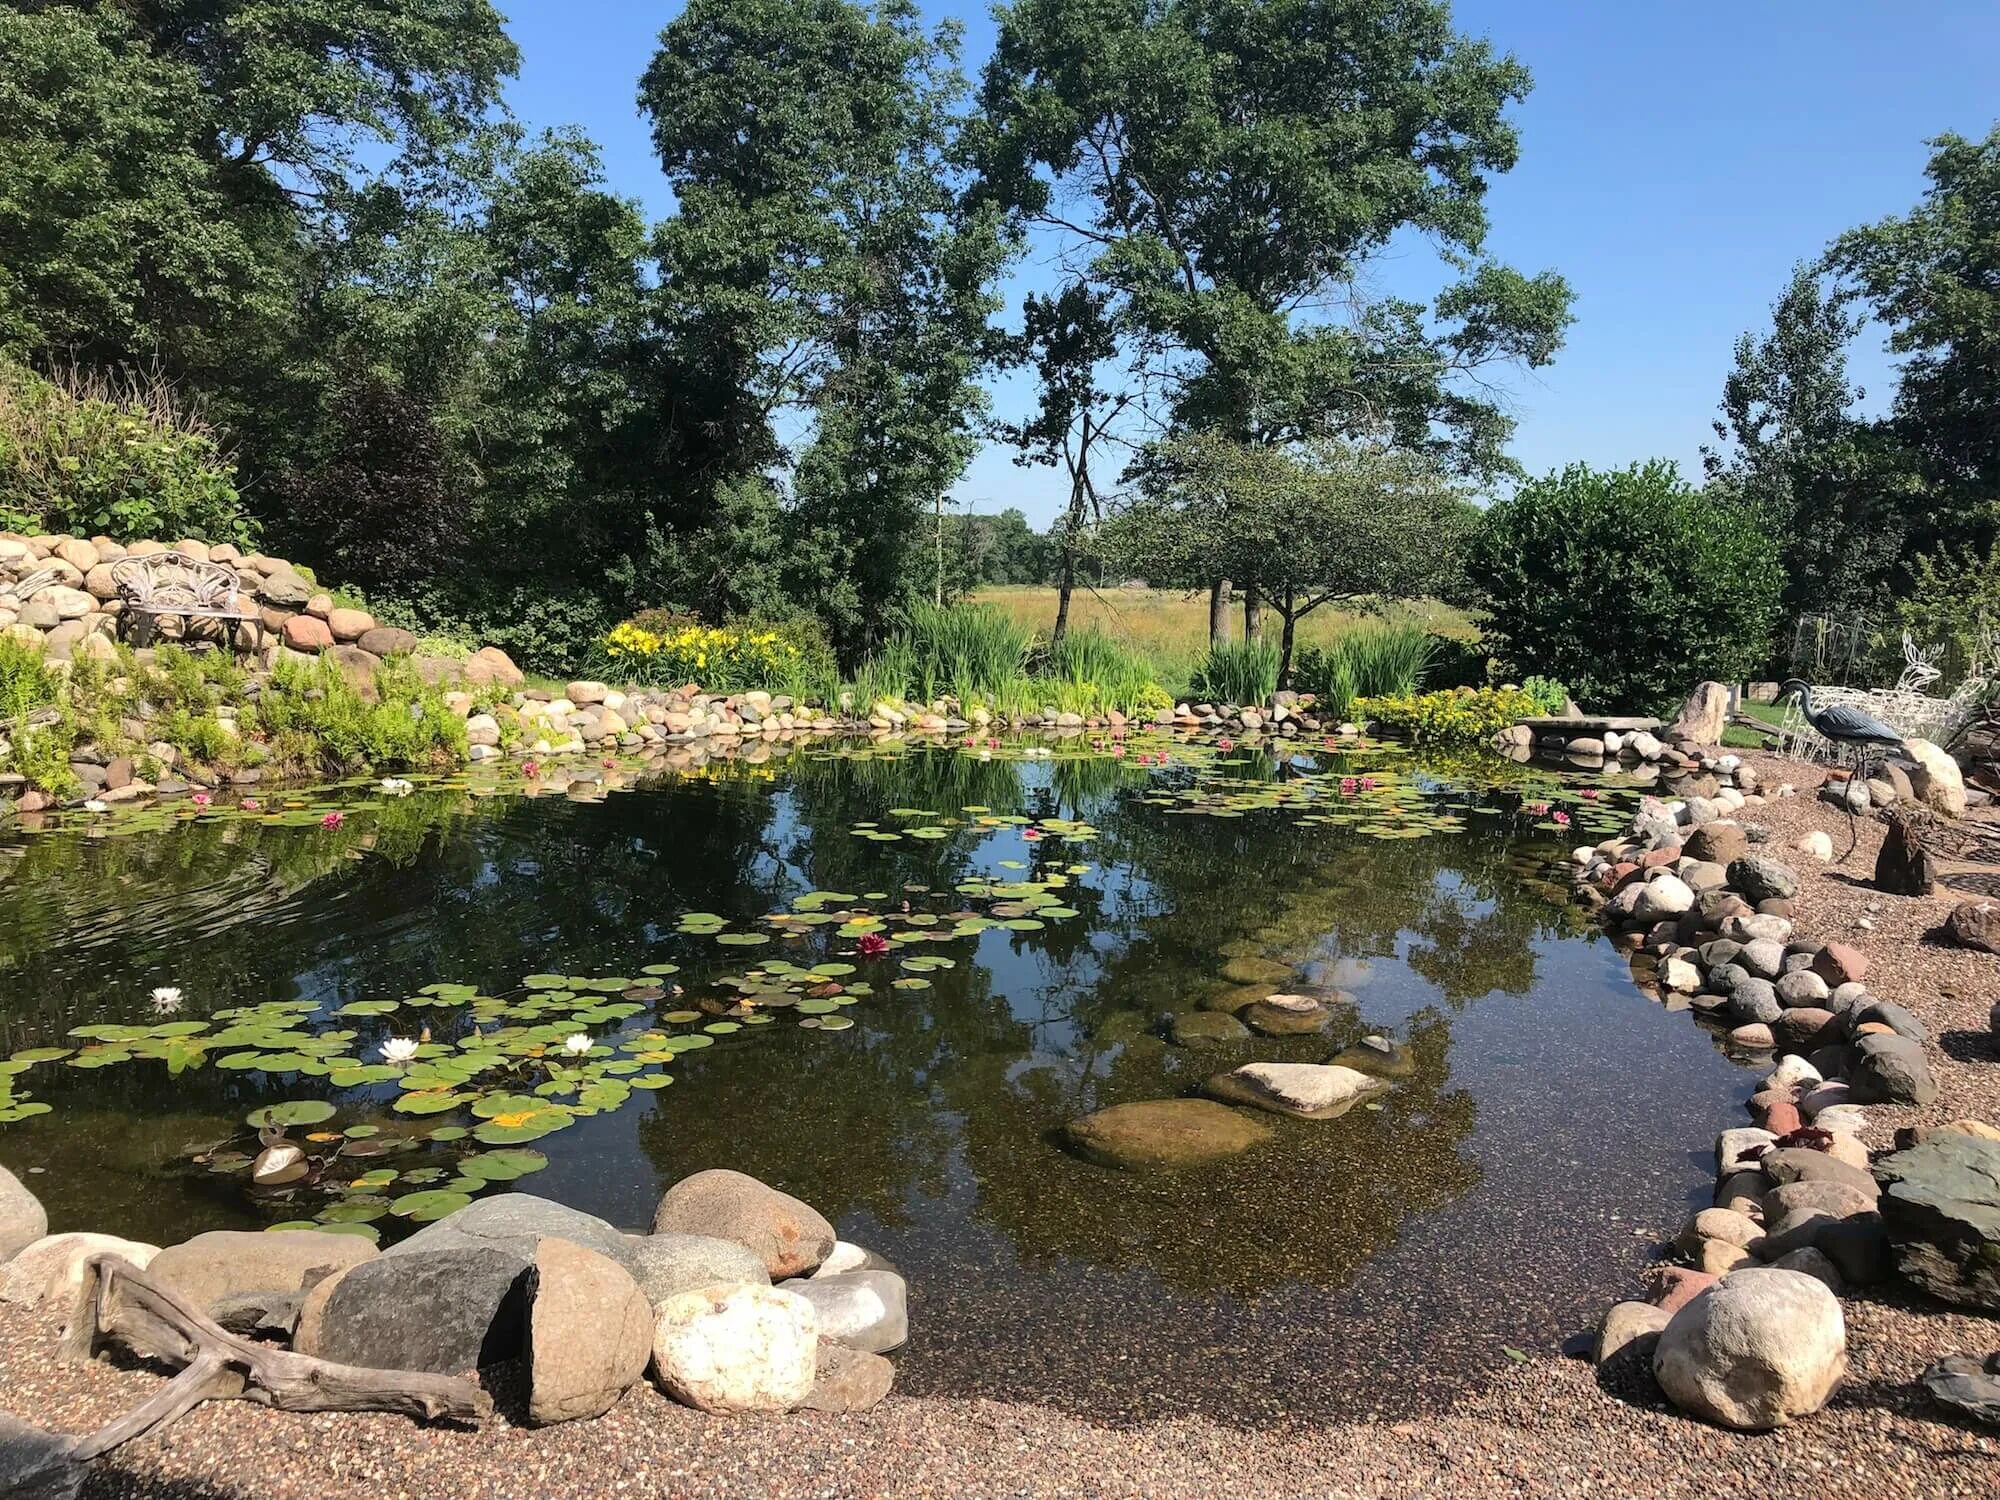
(1289, 609)
(1218, 613)
(1253, 612)
(1064, 588)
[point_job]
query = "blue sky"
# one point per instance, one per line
(1676, 160)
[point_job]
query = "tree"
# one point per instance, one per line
(1222, 175)
(1827, 484)
(1068, 337)
(1329, 521)
(1627, 585)
(824, 254)
(1933, 277)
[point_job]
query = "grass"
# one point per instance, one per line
(1168, 630)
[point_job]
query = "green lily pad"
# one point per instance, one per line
(293, 1112)
(503, 1166)
(429, 1206)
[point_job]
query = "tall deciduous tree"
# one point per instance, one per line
(1224, 174)
(1352, 521)
(825, 256)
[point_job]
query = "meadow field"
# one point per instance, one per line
(1170, 628)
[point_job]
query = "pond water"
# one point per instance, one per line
(1040, 915)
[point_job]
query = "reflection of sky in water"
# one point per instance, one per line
(929, 1126)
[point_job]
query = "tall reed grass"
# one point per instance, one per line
(1371, 662)
(1239, 672)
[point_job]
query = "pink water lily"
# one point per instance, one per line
(871, 945)
(200, 799)
(249, 804)
(332, 820)
(1225, 744)
(1561, 819)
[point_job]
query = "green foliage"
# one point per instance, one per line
(26, 683)
(1090, 673)
(966, 650)
(1371, 662)
(1242, 672)
(1213, 169)
(1953, 601)
(1627, 584)
(316, 717)
(28, 688)
(125, 460)
(1463, 716)
(1548, 696)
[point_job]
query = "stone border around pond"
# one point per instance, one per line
(1746, 1331)
(740, 1299)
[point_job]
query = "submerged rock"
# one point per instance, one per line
(1206, 1028)
(1306, 1091)
(1286, 1015)
(1164, 1133)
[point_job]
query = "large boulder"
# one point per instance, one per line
(53, 1266)
(590, 1333)
(226, 1262)
(22, 1219)
(516, 1223)
(737, 1349)
(1756, 1350)
(669, 1264)
(1718, 843)
(489, 664)
(444, 1311)
(1890, 1069)
(1304, 1091)
(387, 640)
(1163, 1133)
(1968, 1385)
(861, 1309)
(1975, 924)
(789, 1236)
(1937, 781)
(1703, 716)
(1940, 1205)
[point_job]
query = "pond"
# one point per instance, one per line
(883, 981)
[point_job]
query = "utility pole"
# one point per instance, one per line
(938, 591)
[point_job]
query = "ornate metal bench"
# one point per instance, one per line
(172, 583)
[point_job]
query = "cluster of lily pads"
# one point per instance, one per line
(453, 1084)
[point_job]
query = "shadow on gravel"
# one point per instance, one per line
(1970, 1046)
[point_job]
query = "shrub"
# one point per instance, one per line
(123, 459)
(1090, 673)
(1239, 672)
(315, 716)
(1369, 662)
(1549, 696)
(26, 683)
(1458, 716)
(1629, 585)
(1455, 662)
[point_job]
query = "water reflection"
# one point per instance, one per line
(930, 1126)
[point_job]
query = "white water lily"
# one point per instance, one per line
(576, 1045)
(167, 999)
(395, 786)
(94, 805)
(398, 1050)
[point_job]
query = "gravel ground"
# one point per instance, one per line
(1544, 1426)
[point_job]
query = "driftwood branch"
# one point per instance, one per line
(119, 1302)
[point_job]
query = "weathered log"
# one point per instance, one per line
(119, 1302)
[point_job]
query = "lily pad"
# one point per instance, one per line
(293, 1112)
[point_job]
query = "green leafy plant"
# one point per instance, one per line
(1370, 662)
(120, 458)
(1549, 696)
(1240, 672)
(316, 717)
(1461, 716)
(1628, 584)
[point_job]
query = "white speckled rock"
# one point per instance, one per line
(737, 1348)
(1756, 1350)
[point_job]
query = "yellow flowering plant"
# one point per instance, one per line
(665, 651)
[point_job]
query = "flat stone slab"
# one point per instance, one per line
(1587, 726)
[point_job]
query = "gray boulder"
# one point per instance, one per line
(867, 1310)
(669, 1264)
(516, 1223)
(445, 1311)
(1754, 1351)
(1969, 1386)
(1754, 1000)
(1761, 878)
(1940, 1205)
(1899, 1020)
(22, 1219)
(1889, 1069)
(36, 1464)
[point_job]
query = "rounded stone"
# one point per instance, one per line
(864, 1309)
(669, 1264)
(22, 1219)
(1164, 1133)
(228, 1262)
(307, 633)
(590, 1333)
(53, 1266)
(789, 1236)
(737, 1349)
(1755, 1351)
